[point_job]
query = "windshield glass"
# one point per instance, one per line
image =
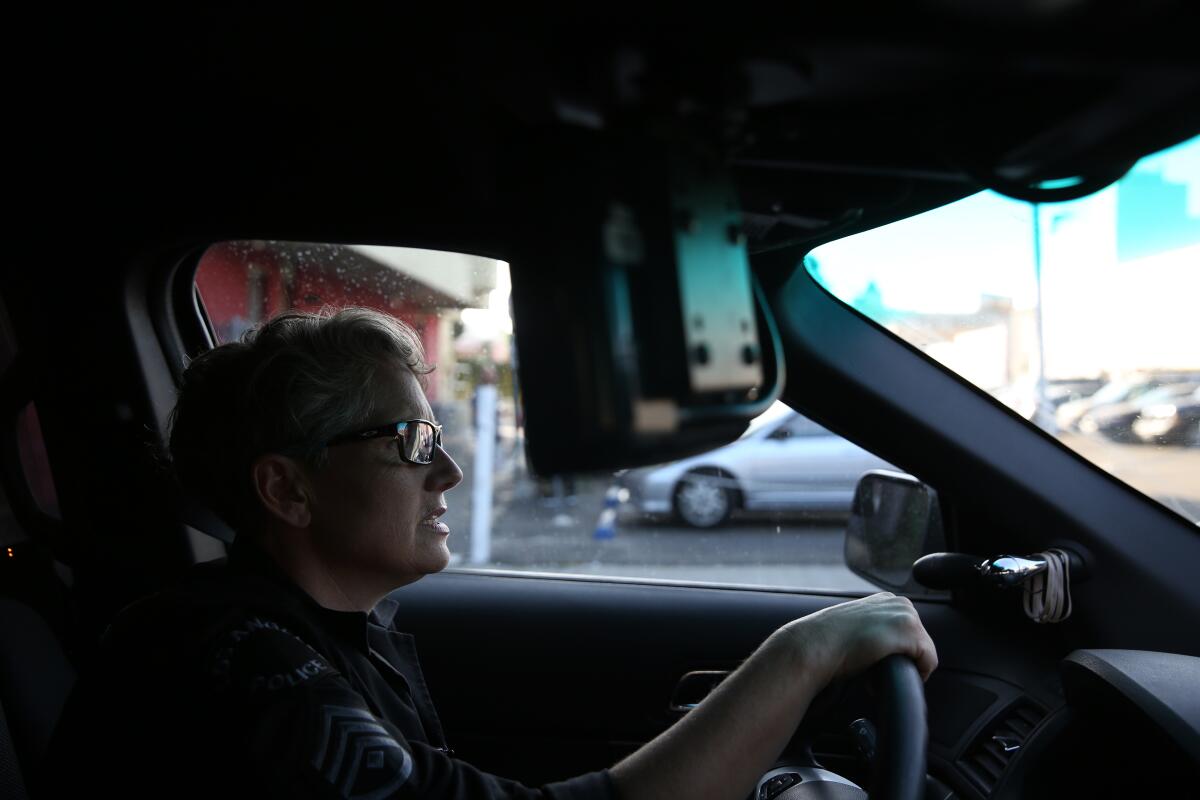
(1080, 316)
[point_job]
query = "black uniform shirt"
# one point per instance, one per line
(238, 683)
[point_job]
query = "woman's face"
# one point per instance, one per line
(375, 517)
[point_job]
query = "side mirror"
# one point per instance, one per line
(894, 520)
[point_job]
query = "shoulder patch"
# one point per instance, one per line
(358, 756)
(259, 655)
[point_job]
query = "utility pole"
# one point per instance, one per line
(1041, 416)
(483, 478)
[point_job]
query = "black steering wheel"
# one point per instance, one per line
(901, 729)
(901, 735)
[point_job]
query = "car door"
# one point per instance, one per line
(800, 464)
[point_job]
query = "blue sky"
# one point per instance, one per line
(944, 260)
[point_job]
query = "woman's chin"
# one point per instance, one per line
(439, 557)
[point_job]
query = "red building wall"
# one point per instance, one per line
(241, 285)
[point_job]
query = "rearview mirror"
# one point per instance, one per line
(640, 334)
(894, 520)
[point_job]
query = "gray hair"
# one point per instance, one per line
(287, 386)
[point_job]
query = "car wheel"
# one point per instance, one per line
(704, 499)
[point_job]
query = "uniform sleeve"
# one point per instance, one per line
(303, 731)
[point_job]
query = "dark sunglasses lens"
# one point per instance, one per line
(419, 440)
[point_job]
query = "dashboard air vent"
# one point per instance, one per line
(1000, 743)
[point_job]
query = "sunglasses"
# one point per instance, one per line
(417, 439)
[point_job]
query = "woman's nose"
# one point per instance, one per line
(445, 474)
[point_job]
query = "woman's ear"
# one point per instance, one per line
(283, 489)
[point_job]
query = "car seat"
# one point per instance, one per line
(35, 680)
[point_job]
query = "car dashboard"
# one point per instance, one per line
(1114, 723)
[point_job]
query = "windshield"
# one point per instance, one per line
(1061, 311)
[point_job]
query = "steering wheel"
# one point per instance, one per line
(902, 730)
(901, 736)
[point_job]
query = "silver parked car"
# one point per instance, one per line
(783, 462)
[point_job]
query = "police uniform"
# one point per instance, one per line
(237, 683)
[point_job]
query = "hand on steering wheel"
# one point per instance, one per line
(898, 764)
(882, 637)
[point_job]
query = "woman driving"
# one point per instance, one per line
(285, 670)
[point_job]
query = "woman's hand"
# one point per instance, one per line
(846, 639)
(725, 744)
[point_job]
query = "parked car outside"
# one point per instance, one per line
(1061, 392)
(1115, 421)
(1071, 412)
(1175, 422)
(784, 462)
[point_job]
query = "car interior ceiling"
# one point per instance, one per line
(147, 148)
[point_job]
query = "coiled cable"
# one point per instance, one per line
(1048, 593)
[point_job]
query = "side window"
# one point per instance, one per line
(765, 510)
